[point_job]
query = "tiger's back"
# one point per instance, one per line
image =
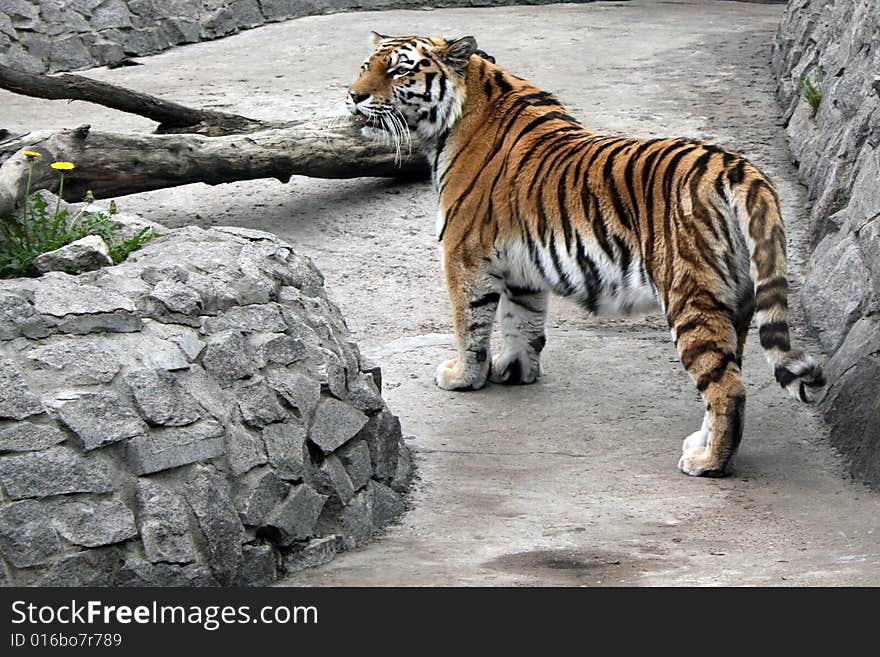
(531, 201)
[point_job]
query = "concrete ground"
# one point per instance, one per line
(571, 481)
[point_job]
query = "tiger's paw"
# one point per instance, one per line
(697, 463)
(453, 375)
(515, 369)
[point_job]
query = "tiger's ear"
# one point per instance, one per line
(375, 38)
(458, 52)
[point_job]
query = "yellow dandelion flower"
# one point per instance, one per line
(32, 154)
(62, 166)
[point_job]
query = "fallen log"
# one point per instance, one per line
(205, 146)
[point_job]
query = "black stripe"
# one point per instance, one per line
(503, 85)
(717, 372)
(485, 300)
(774, 335)
(592, 277)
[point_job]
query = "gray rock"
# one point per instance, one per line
(171, 359)
(244, 451)
(26, 536)
(258, 405)
(383, 436)
(208, 496)
(315, 552)
(353, 523)
(386, 505)
(190, 344)
(54, 471)
(99, 418)
(177, 30)
(86, 568)
(71, 306)
(257, 493)
(277, 348)
(29, 437)
(177, 297)
(18, 317)
(162, 449)
(259, 566)
(301, 392)
(144, 41)
(137, 572)
(343, 487)
(355, 456)
(363, 395)
(248, 319)
(103, 51)
(16, 399)
(863, 339)
(93, 523)
(22, 14)
(110, 13)
(85, 254)
(164, 524)
(836, 289)
(335, 423)
(78, 360)
(161, 400)
(226, 357)
(294, 518)
(403, 474)
(285, 445)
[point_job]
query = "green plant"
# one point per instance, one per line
(39, 229)
(811, 89)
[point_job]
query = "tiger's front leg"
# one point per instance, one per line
(474, 296)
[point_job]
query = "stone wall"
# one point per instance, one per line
(197, 415)
(836, 44)
(63, 35)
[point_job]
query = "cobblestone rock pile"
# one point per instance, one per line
(197, 415)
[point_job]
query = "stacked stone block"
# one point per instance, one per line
(61, 35)
(197, 415)
(836, 45)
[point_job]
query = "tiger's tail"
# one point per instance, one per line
(757, 207)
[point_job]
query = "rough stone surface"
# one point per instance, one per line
(29, 437)
(16, 399)
(26, 536)
(175, 446)
(315, 552)
(294, 518)
(86, 568)
(85, 254)
(335, 423)
(164, 524)
(258, 492)
(93, 523)
(837, 148)
(208, 496)
(285, 445)
(99, 418)
(161, 399)
(54, 471)
(156, 417)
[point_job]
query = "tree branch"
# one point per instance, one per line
(114, 164)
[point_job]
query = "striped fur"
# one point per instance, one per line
(531, 202)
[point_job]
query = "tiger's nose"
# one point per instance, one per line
(358, 98)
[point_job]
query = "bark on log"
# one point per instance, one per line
(114, 164)
(171, 117)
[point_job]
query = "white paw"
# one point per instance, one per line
(515, 368)
(451, 375)
(696, 463)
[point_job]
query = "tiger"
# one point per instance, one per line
(532, 202)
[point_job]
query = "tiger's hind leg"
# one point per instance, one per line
(709, 347)
(523, 313)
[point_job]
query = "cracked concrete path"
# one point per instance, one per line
(571, 481)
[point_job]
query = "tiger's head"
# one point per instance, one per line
(411, 84)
